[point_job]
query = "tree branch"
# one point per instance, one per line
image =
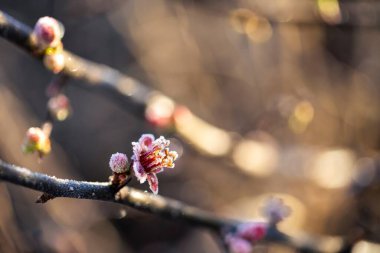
(104, 191)
(77, 67)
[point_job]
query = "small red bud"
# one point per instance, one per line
(48, 32)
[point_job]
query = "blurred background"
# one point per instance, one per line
(290, 85)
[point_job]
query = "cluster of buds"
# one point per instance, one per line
(48, 33)
(37, 140)
(150, 157)
(246, 235)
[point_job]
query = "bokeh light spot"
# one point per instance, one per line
(330, 11)
(366, 247)
(333, 168)
(301, 117)
(256, 157)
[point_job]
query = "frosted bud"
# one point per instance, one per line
(118, 162)
(48, 32)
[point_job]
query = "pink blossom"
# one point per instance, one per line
(151, 156)
(237, 244)
(118, 162)
(252, 231)
(275, 210)
(48, 32)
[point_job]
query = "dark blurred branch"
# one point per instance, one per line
(16, 32)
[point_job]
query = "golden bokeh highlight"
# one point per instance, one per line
(257, 157)
(301, 117)
(366, 247)
(333, 168)
(208, 139)
(257, 28)
(330, 11)
(239, 19)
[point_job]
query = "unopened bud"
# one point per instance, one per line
(118, 162)
(59, 107)
(48, 32)
(54, 62)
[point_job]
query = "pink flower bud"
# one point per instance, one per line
(48, 32)
(59, 107)
(54, 62)
(119, 163)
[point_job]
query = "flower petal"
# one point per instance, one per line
(153, 182)
(146, 141)
(157, 170)
(139, 172)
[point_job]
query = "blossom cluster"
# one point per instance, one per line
(150, 157)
